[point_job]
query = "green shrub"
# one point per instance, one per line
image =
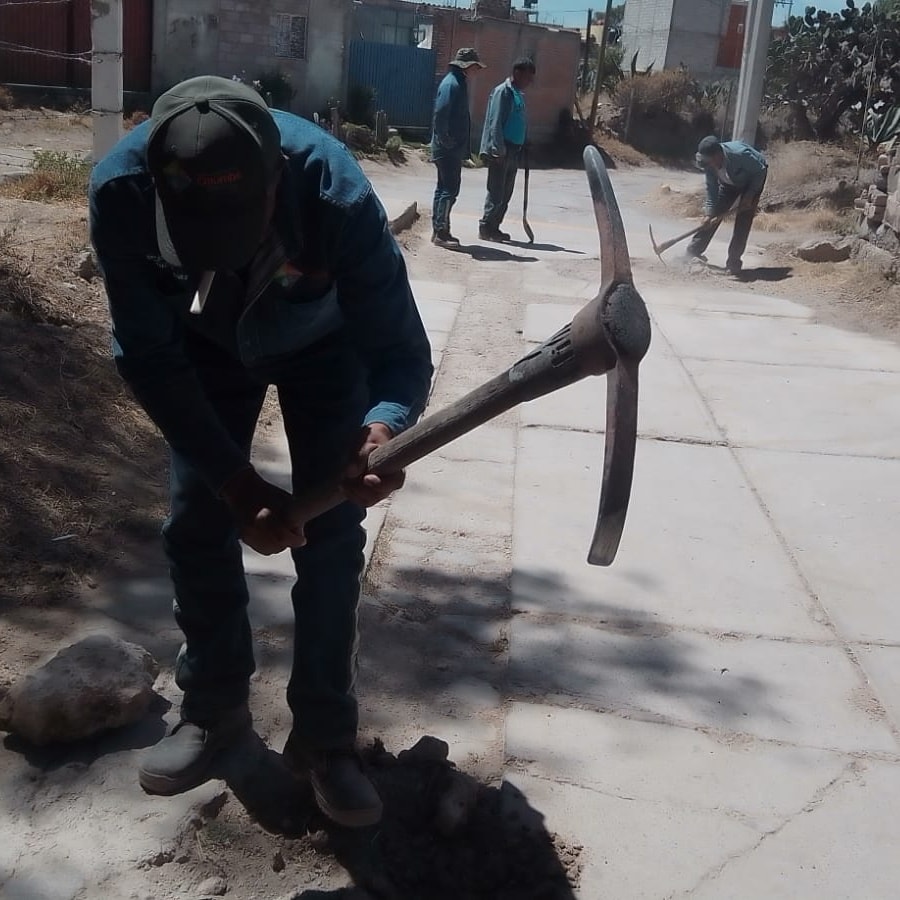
(54, 176)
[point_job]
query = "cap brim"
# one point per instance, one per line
(209, 243)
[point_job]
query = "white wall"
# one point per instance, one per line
(697, 29)
(669, 33)
(645, 30)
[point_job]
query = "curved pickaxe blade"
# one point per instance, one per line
(609, 335)
(622, 315)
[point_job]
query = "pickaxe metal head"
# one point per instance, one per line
(608, 336)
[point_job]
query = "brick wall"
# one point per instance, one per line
(499, 43)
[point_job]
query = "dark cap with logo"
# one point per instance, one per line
(214, 152)
(465, 57)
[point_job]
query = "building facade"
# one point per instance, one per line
(704, 36)
(304, 40)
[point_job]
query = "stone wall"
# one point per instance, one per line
(303, 39)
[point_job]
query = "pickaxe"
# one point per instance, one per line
(608, 336)
(659, 249)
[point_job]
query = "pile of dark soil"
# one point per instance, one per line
(444, 835)
(81, 470)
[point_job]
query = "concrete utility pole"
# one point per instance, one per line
(106, 74)
(757, 32)
(601, 61)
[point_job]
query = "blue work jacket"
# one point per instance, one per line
(745, 166)
(451, 126)
(501, 105)
(340, 272)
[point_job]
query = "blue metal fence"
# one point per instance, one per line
(403, 78)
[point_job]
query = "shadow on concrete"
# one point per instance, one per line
(547, 248)
(492, 254)
(430, 629)
(765, 273)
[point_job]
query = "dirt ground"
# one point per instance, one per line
(82, 478)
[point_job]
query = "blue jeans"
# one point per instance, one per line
(323, 397)
(449, 179)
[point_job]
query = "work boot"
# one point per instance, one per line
(492, 234)
(183, 758)
(445, 239)
(342, 790)
(734, 266)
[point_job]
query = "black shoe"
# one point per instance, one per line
(734, 267)
(343, 791)
(183, 758)
(492, 234)
(445, 239)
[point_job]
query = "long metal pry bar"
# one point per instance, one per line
(609, 336)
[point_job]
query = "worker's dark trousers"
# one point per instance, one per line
(743, 222)
(501, 181)
(449, 179)
(323, 397)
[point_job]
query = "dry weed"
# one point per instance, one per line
(6, 98)
(667, 91)
(55, 177)
(8, 236)
(817, 218)
(619, 150)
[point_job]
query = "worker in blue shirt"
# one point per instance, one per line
(503, 137)
(450, 141)
(735, 173)
(242, 247)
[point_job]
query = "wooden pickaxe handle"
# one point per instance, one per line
(659, 249)
(609, 335)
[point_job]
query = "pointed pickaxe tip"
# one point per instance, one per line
(655, 247)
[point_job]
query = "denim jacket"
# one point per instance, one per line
(333, 267)
(451, 126)
(500, 105)
(744, 165)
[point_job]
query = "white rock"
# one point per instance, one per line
(216, 886)
(96, 684)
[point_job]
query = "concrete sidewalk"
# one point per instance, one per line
(717, 714)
